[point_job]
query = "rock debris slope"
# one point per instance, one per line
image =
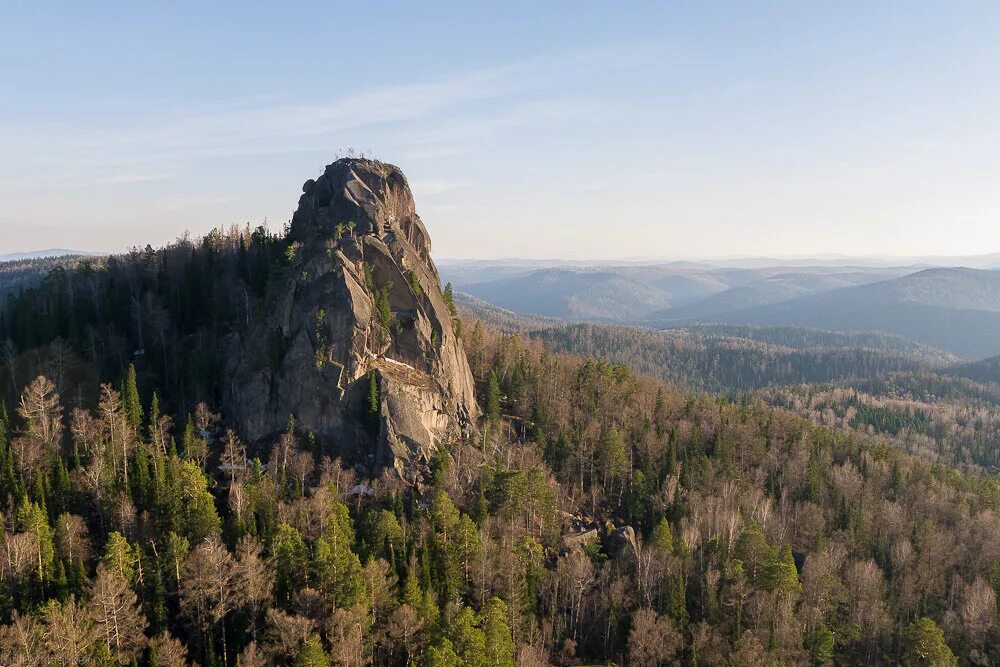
(361, 303)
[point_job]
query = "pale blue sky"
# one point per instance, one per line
(575, 129)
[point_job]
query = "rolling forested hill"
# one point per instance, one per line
(953, 309)
(600, 516)
(942, 418)
(725, 358)
(771, 289)
(628, 294)
(842, 509)
(21, 274)
(987, 370)
(703, 359)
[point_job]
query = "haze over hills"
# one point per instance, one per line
(982, 261)
(987, 370)
(953, 308)
(43, 254)
(772, 289)
(633, 293)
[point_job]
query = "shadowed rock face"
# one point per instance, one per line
(313, 353)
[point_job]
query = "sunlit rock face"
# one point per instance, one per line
(361, 301)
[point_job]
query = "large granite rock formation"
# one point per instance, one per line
(361, 301)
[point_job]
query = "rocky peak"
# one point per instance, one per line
(360, 304)
(373, 195)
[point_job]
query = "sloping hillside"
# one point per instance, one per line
(647, 294)
(987, 370)
(773, 289)
(707, 360)
(954, 309)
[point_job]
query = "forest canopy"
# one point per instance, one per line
(598, 515)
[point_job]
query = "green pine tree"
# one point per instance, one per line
(493, 399)
(154, 416)
(925, 645)
(441, 654)
(496, 630)
(372, 421)
(820, 644)
(468, 638)
(337, 569)
(311, 654)
(120, 556)
(130, 399)
(290, 556)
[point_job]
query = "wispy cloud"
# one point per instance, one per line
(476, 103)
(119, 179)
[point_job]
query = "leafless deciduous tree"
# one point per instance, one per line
(115, 429)
(530, 655)
(286, 632)
(749, 652)
(209, 588)
(867, 585)
(978, 610)
(234, 457)
(653, 640)
(19, 555)
(205, 422)
(69, 633)
(404, 624)
(115, 609)
(347, 637)
(21, 642)
(253, 656)
(72, 538)
(170, 652)
(42, 414)
(254, 576)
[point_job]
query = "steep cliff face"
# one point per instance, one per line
(360, 303)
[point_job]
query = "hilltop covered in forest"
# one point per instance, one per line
(951, 308)
(290, 449)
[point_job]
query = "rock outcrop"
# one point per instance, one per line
(360, 303)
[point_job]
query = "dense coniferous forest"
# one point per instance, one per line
(168, 310)
(597, 514)
(717, 360)
(20, 274)
(987, 370)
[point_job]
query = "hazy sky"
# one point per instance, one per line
(576, 129)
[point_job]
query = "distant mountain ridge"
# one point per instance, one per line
(45, 254)
(772, 289)
(978, 261)
(645, 294)
(954, 309)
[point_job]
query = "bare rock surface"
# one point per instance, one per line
(359, 244)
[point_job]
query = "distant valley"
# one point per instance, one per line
(954, 309)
